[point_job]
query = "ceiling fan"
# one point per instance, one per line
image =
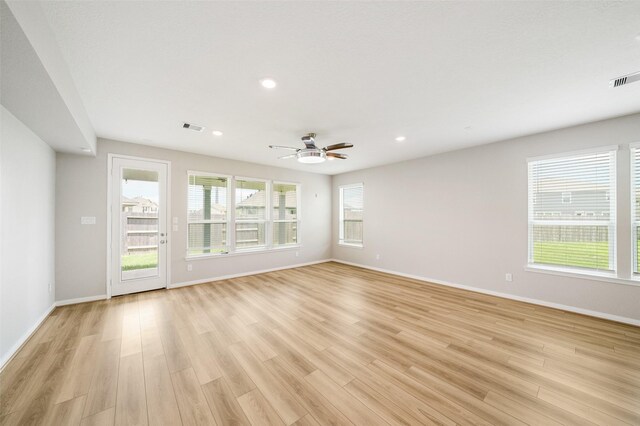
(311, 153)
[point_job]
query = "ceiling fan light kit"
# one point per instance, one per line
(311, 154)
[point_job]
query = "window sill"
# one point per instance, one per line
(243, 252)
(356, 246)
(576, 273)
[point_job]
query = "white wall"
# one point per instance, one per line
(27, 194)
(81, 190)
(461, 218)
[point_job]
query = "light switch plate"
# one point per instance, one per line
(88, 220)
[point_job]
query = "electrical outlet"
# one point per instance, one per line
(50, 287)
(189, 267)
(508, 277)
(297, 253)
(377, 257)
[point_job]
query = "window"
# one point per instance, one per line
(583, 234)
(208, 215)
(635, 207)
(351, 214)
(285, 214)
(264, 214)
(251, 213)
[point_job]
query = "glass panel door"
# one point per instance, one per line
(138, 225)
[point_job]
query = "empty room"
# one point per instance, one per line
(319, 213)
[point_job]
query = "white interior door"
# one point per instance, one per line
(138, 225)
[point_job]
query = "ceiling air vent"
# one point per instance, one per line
(625, 79)
(193, 127)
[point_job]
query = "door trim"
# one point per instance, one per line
(110, 157)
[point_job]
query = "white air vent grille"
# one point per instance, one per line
(193, 127)
(625, 79)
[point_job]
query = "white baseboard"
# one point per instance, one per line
(597, 314)
(80, 300)
(245, 274)
(16, 347)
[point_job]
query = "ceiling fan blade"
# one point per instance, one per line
(336, 155)
(287, 156)
(338, 146)
(283, 147)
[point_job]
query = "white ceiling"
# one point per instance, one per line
(446, 75)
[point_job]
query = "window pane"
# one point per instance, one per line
(352, 231)
(284, 202)
(351, 212)
(207, 238)
(139, 217)
(579, 246)
(207, 203)
(285, 233)
(572, 211)
(207, 198)
(251, 201)
(250, 234)
(635, 208)
(573, 188)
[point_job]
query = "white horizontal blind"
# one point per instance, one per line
(635, 207)
(251, 213)
(284, 205)
(351, 214)
(572, 217)
(208, 214)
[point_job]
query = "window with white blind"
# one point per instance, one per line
(572, 211)
(635, 206)
(284, 207)
(251, 213)
(351, 215)
(208, 214)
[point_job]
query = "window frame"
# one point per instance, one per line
(341, 241)
(228, 219)
(634, 221)
(231, 217)
(612, 223)
(296, 220)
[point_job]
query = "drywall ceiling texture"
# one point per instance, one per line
(446, 75)
(27, 227)
(81, 190)
(461, 218)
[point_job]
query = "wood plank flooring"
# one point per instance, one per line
(324, 344)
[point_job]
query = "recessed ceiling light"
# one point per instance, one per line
(268, 83)
(217, 133)
(83, 149)
(401, 139)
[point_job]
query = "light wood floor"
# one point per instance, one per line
(325, 344)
